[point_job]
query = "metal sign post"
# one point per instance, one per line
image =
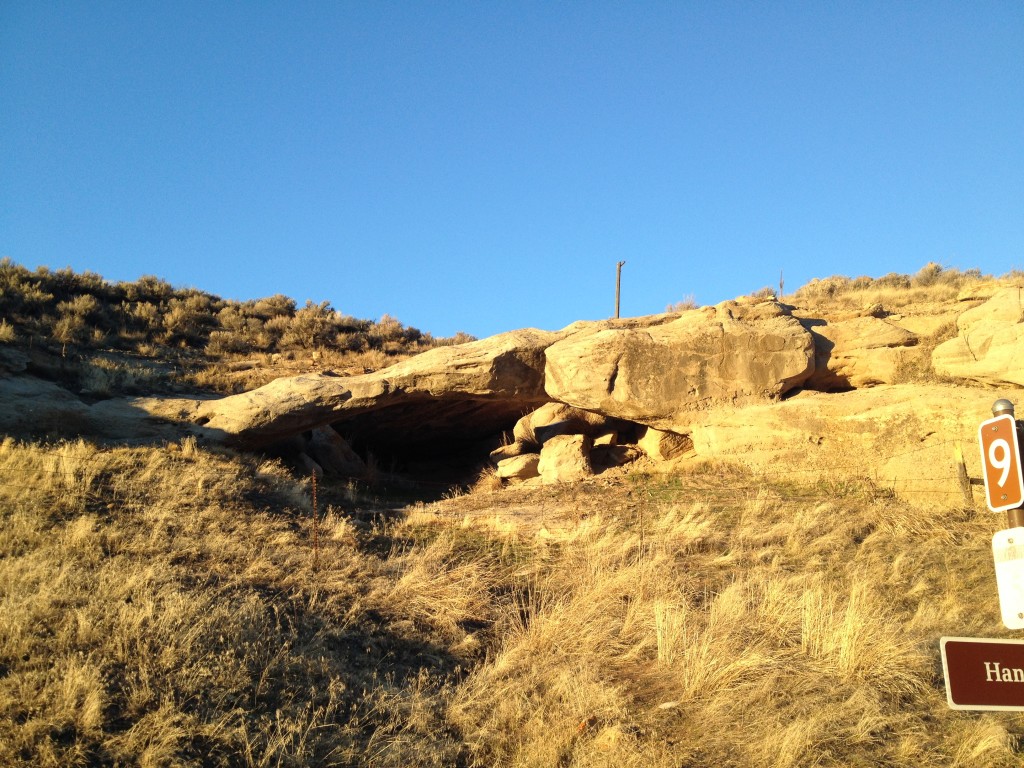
(984, 673)
(1004, 491)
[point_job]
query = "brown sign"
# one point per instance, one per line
(1000, 461)
(982, 673)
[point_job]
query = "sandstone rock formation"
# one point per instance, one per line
(988, 347)
(329, 450)
(731, 354)
(551, 419)
(34, 407)
(664, 446)
(523, 467)
(859, 352)
(653, 371)
(565, 458)
(903, 438)
(743, 380)
(459, 392)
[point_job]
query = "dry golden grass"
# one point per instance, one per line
(163, 606)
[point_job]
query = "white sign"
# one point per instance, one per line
(1008, 552)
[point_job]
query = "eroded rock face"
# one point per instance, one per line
(460, 392)
(655, 371)
(734, 353)
(900, 437)
(989, 342)
(859, 352)
(41, 409)
(328, 449)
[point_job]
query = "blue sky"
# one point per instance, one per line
(482, 166)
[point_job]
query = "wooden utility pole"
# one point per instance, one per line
(618, 286)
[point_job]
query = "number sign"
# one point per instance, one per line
(1000, 458)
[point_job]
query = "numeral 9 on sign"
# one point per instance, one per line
(1000, 458)
(1001, 462)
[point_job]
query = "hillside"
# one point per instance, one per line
(148, 336)
(174, 601)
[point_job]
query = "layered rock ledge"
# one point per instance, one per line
(656, 371)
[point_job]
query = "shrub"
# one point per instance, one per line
(274, 306)
(687, 303)
(929, 274)
(189, 320)
(148, 288)
(313, 326)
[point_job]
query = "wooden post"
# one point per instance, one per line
(961, 472)
(316, 528)
(618, 285)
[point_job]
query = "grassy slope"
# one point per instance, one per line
(170, 606)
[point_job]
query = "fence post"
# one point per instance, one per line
(316, 528)
(961, 474)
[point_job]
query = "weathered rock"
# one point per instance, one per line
(516, 448)
(664, 446)
(309, 465)
(460, 392)
(12, 360)
(604, 457)
(1004, 308)
(899, 437)
(663, 376)
(37, 408)
(521, 467)
(330, 451)
(560, 419)
(860, 352)
(981, 291)
(987, 349)
(31, 407)
(565, 458)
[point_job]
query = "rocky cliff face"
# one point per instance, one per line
(989, 346)
(661, 375)
(656, 371)
(746, 380)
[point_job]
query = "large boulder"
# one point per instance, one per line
(987, 348)
(450, 395)
(664, 446)
(333, 454)
(663, 376)
(522, 467)
(565, 458)
(453, 393)
(859, 352)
